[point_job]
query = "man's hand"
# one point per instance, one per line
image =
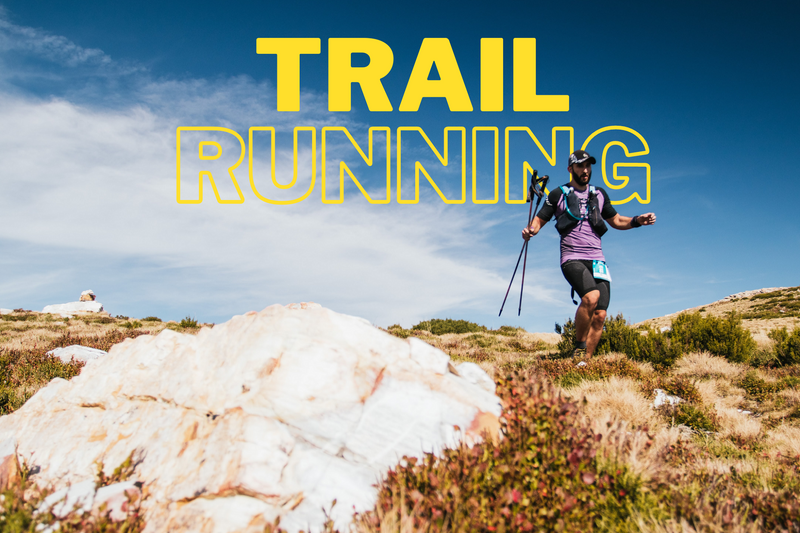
(527, 233)
(648, 219)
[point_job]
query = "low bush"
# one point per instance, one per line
(22, 499)
(508, 331)
(398, 331)
(654, 347)
(787, 346)
(720, 336)
(695, 417)
(543, 474)
(188, 322)
(758, 389)
(439, 326)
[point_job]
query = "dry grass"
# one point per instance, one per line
(785, 440)
(703, 365)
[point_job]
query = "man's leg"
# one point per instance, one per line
(584, 317)
(595, 330)
(599, 316)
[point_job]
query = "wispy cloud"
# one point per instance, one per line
(98, 176)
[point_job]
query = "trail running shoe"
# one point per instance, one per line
(579, 353)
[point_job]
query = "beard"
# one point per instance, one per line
(582, 180)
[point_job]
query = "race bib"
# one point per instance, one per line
(600, 270)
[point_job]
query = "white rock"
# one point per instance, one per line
(76, 498)
(6, 311)
(114, 500)
(77, 353)
(69, 309)
(582, 363)
(88, 296)
(476, 375)
(662, 398)
(270, 414)
(664, 329)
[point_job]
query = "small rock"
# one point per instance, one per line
(116, 498)
(662, 398)
(78, 497)
(77, 353)
(88, 296)
(582, 363)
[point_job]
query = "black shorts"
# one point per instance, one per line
(578, 273)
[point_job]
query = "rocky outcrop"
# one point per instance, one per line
(270, 414)
(72, 308)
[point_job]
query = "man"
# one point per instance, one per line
(580, 210)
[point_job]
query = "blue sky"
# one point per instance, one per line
(91, 94)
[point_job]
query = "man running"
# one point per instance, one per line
(580, 210)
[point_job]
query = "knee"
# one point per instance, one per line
(589, 300)
(598, 318)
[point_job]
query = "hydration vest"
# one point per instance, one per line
(567, 220)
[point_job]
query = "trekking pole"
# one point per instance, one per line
(539, 194)
(531, 192)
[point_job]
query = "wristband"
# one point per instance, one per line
(635, 222)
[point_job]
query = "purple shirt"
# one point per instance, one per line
(581, 242)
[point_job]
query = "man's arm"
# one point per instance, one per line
(534, 228)
(622, 222)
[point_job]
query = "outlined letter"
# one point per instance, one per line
(342, 74)
(288, 51)
(273, 156)
(527, 169)
(443, 159)
(450, 84)
(496, 132)
(624, 179)
(202, 155)
(367, 159)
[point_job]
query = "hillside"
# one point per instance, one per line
(587, 441)
(762, 310)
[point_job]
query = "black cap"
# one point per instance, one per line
(579, 156)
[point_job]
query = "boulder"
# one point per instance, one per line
(88, 296)
(77, 353)
(271, 414)
(72, 308)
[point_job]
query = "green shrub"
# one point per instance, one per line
(188, 322)
(757, 388)
(398, 331)
(787, 346)
(695, 417)
(507, 331)
(654, 347)
(683, 388)
(151, 319)
(720, 336)
(439, 326)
